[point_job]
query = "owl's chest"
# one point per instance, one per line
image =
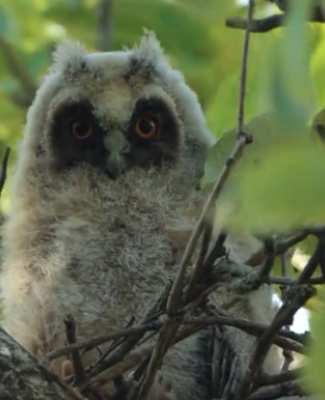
(117, 260)
(127, 226)
(116, 240)
(122, 251)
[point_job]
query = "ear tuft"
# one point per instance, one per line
(68, 57)
(150, 49)
(150, 45)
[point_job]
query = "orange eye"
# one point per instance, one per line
(146, 127)
(81, 129)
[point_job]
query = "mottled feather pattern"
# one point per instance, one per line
(94, 264)
(77, 242)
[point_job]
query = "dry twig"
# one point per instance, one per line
(80, 375)
(274, 21)
(3, 170)
(105, 28)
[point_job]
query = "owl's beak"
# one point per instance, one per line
(115, 165)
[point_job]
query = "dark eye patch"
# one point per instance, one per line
(161, 147)
(69, 141)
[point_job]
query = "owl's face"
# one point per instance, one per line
(143, 132)
(114, 111)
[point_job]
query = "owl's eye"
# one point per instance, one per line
(146, 127)
(81, 129)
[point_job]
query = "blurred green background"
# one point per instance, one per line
(193, 33)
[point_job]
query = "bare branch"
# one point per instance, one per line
(278, 391)
(266, 24)
(91, 344)
(279, 378)
(243, 76)
(105, 20)
(80, 374)
(3, 170)
(298, 298)
(257, 25)
(21, 377)
(17, 68)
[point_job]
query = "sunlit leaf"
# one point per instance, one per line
(264, 131)
(291, 87)
(287, 190)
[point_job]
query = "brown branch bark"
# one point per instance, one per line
(22, 378)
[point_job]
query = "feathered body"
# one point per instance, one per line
(91, 228)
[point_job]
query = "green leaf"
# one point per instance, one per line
(268, 186)
(264, 130)
(286, 191)
(291, 87)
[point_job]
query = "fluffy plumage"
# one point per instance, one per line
(93, 220)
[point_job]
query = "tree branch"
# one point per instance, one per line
(22, 378)
(3, 169)
(17, 69)
(266, 24)
(105, 21)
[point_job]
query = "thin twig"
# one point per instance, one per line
(280, 390)
(257, 25)
(284, 315)
(3, 170)
(280, 280)
(243, 76)
(265, 24)
(199, 268)
(313, 262)
(255, 329)
(284, 245)
(123, 346)
(279, 378)
(17, 68)
(80, 374)
(266, 268)
(294, 298)
(165, 337)
(174, 301)
(243, 140)
(91, 344)
(287, 354)
(115, 343)
(133, 359)
(105, 9)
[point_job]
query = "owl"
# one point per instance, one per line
(106, 181)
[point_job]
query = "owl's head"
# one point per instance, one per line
(114, 111)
